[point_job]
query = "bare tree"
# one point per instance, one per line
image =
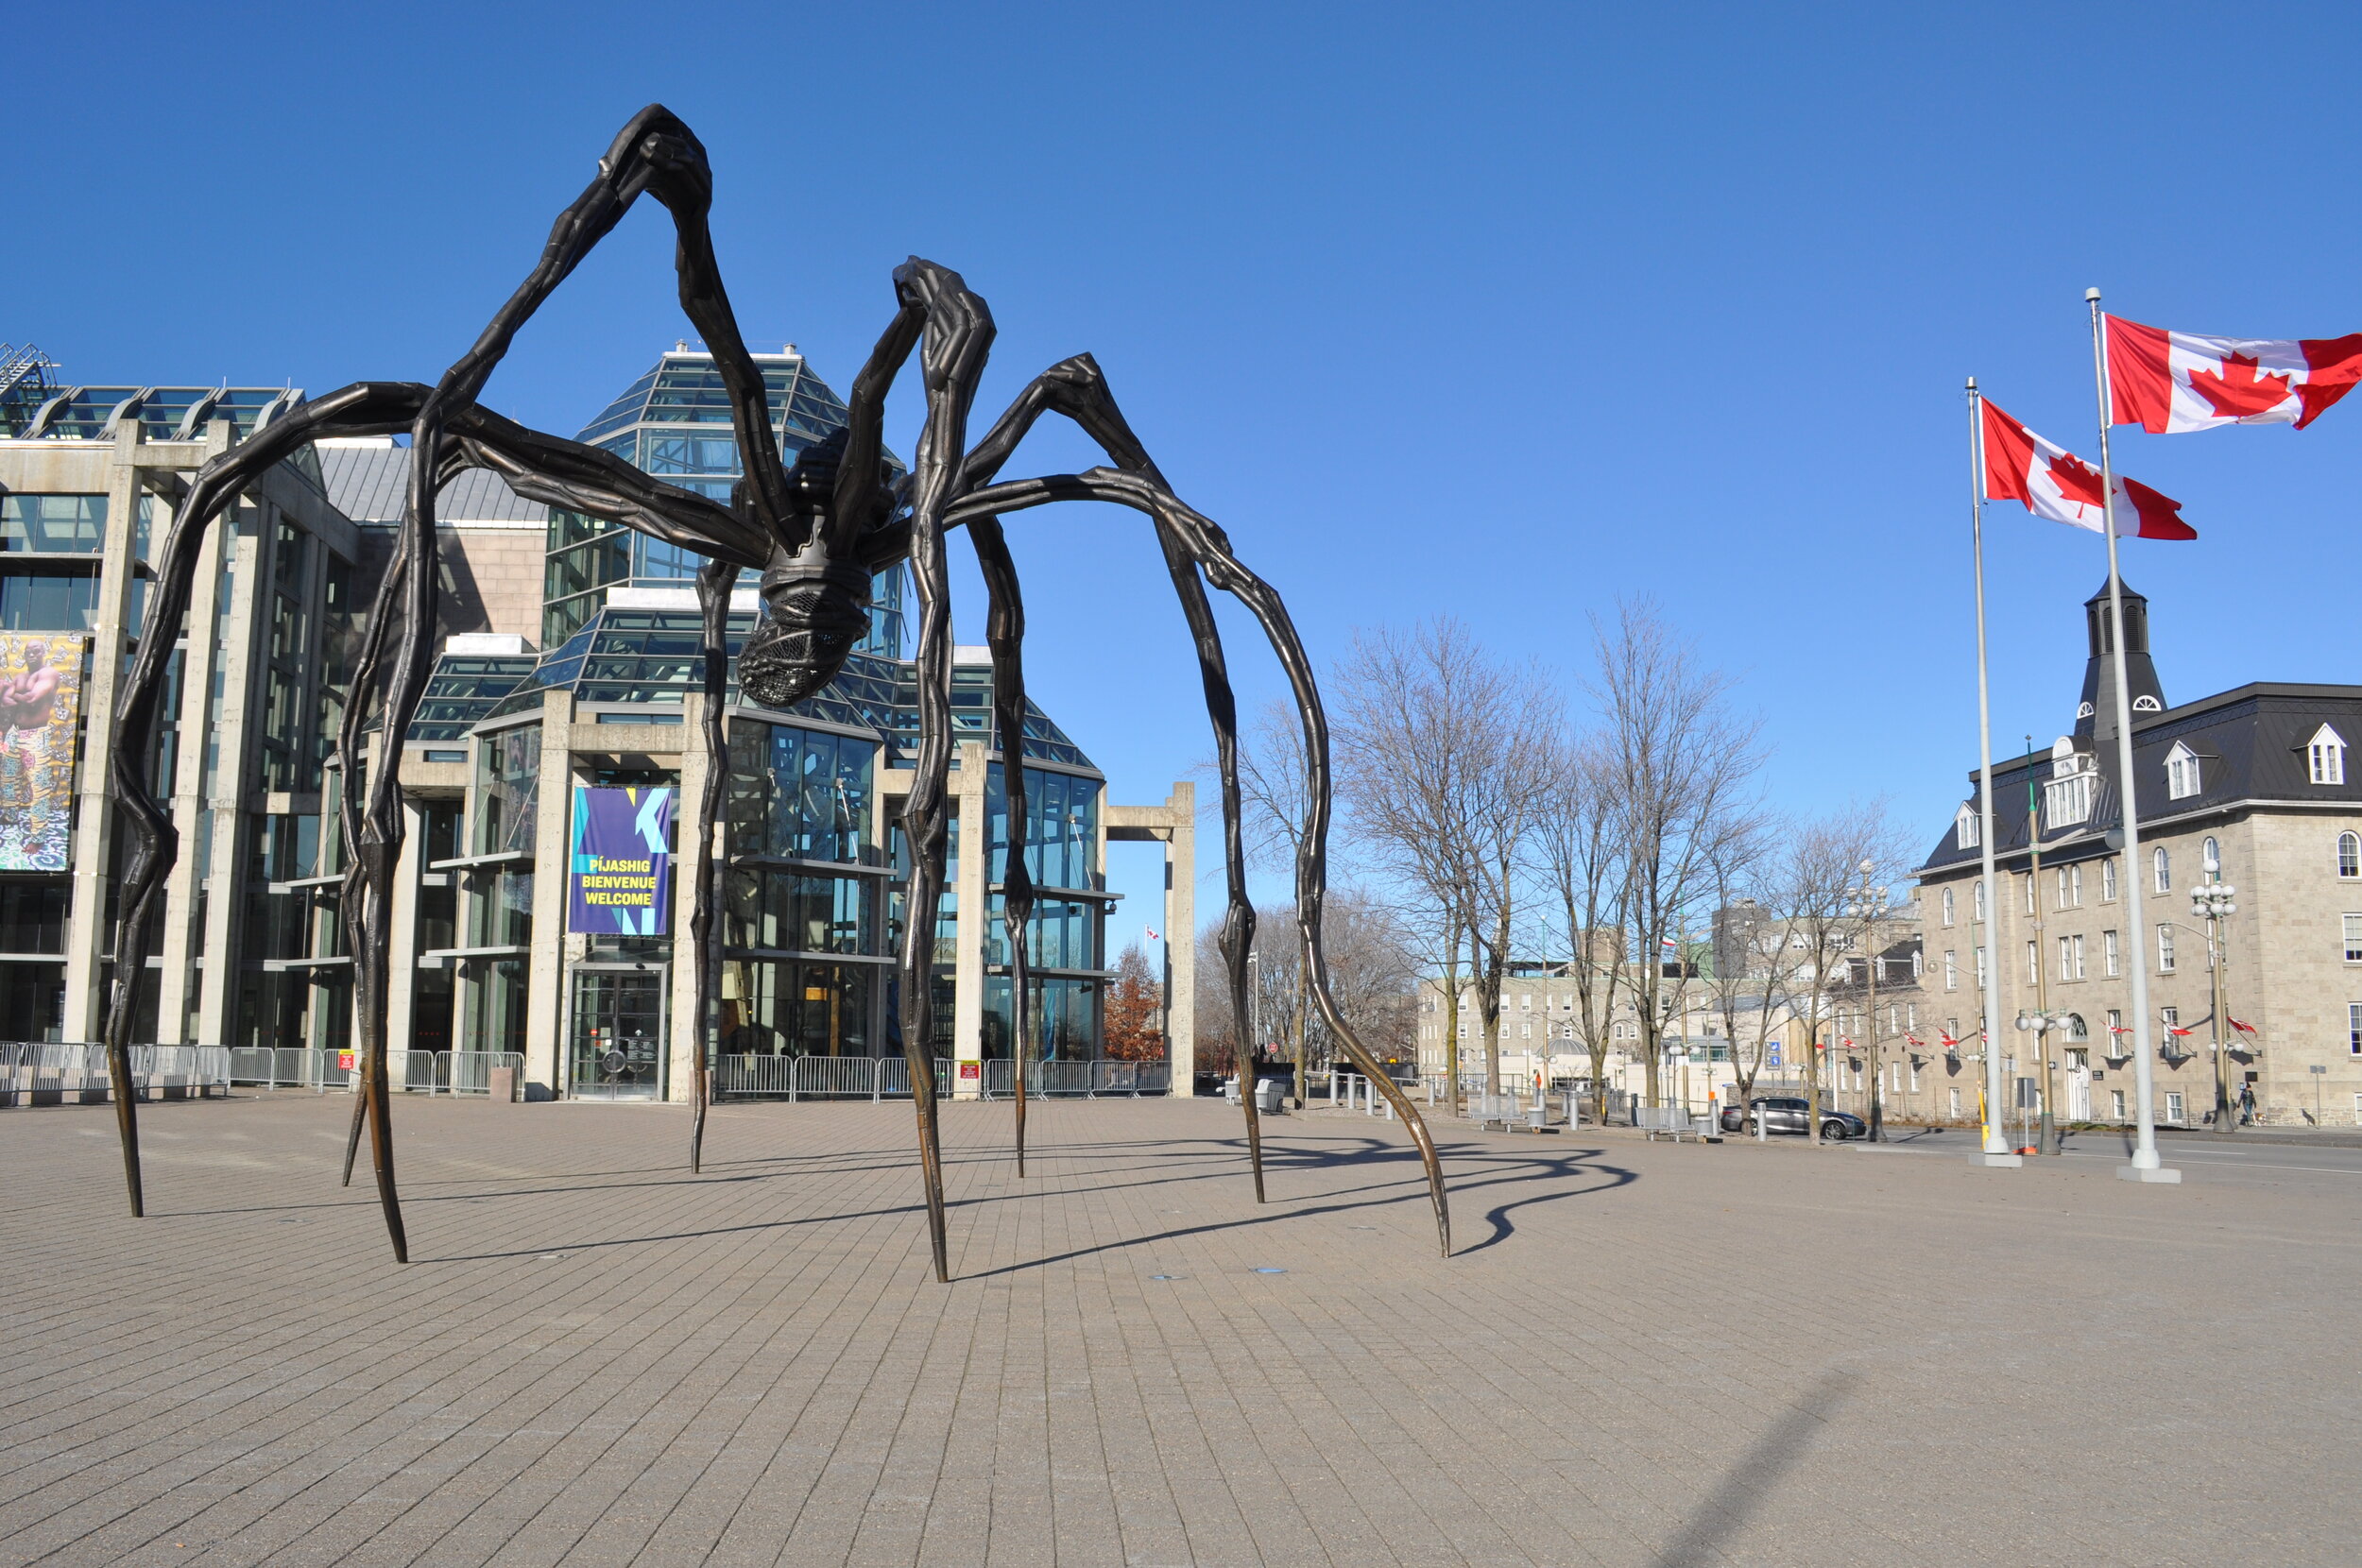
(1752, 962)
(1581, 836)
(1681, 763)
(1817, 878)
(1374, 975)
(1441, 778)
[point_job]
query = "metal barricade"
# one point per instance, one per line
(470, 1072)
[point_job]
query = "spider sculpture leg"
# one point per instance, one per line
(1209, 550)
(713, 599)
(542, 467)
(957, 334)
(1004, 632)
(1076, 388)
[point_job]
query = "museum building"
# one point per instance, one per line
(569, 663)
(2248, 787)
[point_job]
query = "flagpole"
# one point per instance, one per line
(2145, 1165)
(1997, 1151)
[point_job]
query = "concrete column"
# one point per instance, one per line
(186, 803)
(402, 960)
(1174, 826)
(236, 782)
(974, 909)
(545, 999)
(687, 1032)
(94, 833)
(1180, 930)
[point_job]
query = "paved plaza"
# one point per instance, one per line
(1643, 1354)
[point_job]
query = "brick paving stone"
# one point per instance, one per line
(1643, 1354)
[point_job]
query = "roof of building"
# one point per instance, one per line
(2251, 744)
(368, 479)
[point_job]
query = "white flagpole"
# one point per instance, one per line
(1997, 1151)
(2145, 1166)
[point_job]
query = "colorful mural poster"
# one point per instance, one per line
(619, 880)
(40, 703)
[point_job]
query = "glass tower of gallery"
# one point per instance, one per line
(814, 889)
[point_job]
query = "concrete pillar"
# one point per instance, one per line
(687, 1030)
(401, 958)
(236, 781)
(974, 912)
(93, 832)
(1180, 931)
(545, 998)
(186, 803)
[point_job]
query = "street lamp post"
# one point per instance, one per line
(2041, 1023)
(1867, 903)
(2211, 901)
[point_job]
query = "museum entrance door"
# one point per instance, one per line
(618, 1032)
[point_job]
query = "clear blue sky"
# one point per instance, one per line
(1496, 311)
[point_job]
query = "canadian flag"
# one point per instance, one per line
(2055, 483)
(2170, 382)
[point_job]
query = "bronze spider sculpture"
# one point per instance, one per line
(815, 532)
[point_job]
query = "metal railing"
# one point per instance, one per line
(1079, 1079)
(889, 1078)
(821, 1077)
(46, 1073)
(427, 1072)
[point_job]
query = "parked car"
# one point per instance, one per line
(1787, 1116)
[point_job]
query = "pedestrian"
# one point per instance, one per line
(2247, 1104)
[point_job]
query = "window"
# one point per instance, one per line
(2110, 955)
(2173, 1107)
(2182, 780)
(2325, 757)
(1914, 1075)
(2115, 1033)
(1979, 901)
(1947, 902)
(2033, 963)
(2209, 858)
(2029, 880)
(2115, 1103)
(2065, 973)
(2078, 1029)
(1967, 828)
(2350, 856)
(2066, 801)
(1980, 968)
(1951, 969)
(2353, 939)
(2354, 1028)
(2108, 881)
(2164, 864)
(2165, 944)
(2170, 1017)
(2075, 954)
(2060, 895)
(1956, 1104)
(2075, 887)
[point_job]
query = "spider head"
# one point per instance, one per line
(814, 611)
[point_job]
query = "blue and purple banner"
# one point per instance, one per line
(619, 882)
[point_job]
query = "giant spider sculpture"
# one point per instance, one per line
(816, 532)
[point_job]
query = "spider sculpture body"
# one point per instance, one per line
(815, 533)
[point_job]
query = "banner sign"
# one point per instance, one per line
(41, 701)
(619, 882)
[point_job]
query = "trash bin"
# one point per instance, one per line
(1271, 1096)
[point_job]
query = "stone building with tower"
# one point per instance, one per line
(2249, 787)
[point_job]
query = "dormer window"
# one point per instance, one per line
(2067, 799)
(2325, 757)
(1967, 828)
(2181, 772)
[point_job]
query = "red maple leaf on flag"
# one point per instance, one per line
(2077, 480)
(2239, 391)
